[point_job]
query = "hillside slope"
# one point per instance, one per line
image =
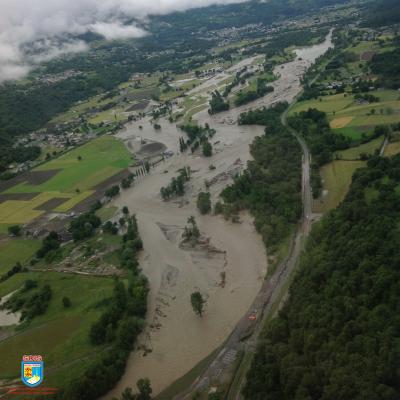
(338, 335)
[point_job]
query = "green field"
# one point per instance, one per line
(106, 213)
(355, 133)
(79, 171)
(112, 115)
(61, 334)
(328, 104)
(101, 158)
(336, 178)
(16, 250)
(368, 148)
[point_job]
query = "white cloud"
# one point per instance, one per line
(116, 30)
(23, 22)
(52, 50)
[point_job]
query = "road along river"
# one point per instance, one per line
(229, 266)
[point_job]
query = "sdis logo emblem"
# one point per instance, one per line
(32, 370)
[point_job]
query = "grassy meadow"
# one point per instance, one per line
(369, 148)
(106, 213)
(16, 250)
(336, 178)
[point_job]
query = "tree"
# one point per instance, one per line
(111, 228)
(125, 183)
(84, 226)
(204, 202)
(217, 103)
(15, 230)
(66, 302)
(197, 302)
(145, 389)
(112, 191)
(51, 242)
(381, 130)
(127, 394)
(207, 149)
(125, 210)
(29, 284)
(191, 231)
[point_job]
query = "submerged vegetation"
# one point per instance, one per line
(270, 187)
(177, 185)
(197, 135)
(217, 103)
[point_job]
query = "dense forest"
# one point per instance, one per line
(20, 154)
(314, 126)
(383, 12)
(270, 187)
(337, 337)
(387, 67)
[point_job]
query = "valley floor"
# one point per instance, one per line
(176, 339)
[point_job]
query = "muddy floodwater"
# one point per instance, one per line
(229, 265)
(8, 318)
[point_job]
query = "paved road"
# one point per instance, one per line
(384, 145)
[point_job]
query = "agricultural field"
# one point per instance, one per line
(351, 119)
(354, 153)
(392, 149)
(336, 178)
(61, 334)
(16, 250)
(63, 183)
